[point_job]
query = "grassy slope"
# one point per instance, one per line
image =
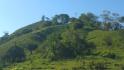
(97, 37)
(29, 38)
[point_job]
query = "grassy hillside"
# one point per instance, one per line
(48, 45)
(104, 56)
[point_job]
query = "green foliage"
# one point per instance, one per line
(65, 45)
(4, 38)
(76, 24)
(89, 19)
(112, 21)
(111, 55)
(14, 54)
(31, 47)
(61, 19)
(122, 19)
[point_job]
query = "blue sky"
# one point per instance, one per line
(15, 14)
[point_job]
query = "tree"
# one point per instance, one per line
(76, 24)
(107, 18)
(63, 18)
(14, 54)
(52, 46)
(6, 35)
(116, 21)
(60, 19)
(31, 47)
(78, 45)
(98, 25)
(72, 19)
(43, 18)
(47, 19)
(55, 19)
(111, 21)
(122, 19)
(4, 38)
(89, 19)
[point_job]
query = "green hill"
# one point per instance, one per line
(72, 45)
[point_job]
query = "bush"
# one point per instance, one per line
(31, 47)
(111, 55)
(14, 54)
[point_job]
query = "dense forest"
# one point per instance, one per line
(87, 42)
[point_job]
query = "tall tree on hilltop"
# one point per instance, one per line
(89, 19)
(61, 19)
(106, 17)
(111, 21)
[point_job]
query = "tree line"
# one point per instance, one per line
(106, 21)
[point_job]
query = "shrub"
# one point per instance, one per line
(14, 54)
